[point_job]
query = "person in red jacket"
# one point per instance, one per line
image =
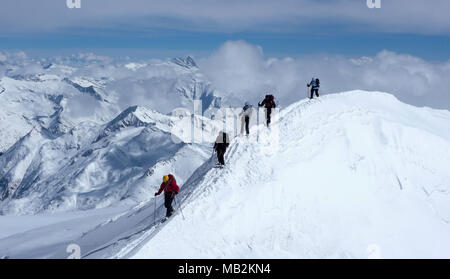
(170, 188)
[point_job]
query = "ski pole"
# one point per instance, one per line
(257, 125)
(154, 213)
(212, 155)
(179, 207)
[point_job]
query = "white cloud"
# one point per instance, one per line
(2, 57)
(17, 57)
(237, 67)
(81, 106)
(242, 70)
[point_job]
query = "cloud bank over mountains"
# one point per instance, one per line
(242, 69)
(242, 72)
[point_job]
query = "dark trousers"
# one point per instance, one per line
(268, 113)
(314, 90)
(247, 122)
(168, 203)
(220, 154)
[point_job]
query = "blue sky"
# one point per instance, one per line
(175, 43)
(167, 28)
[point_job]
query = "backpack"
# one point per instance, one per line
(269, 101)
(272, 101)
(246, 111)
(317, 82)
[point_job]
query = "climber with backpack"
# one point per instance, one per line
(220, 146)
(170, 188)
(269, 104)
(245, 118)
(314, 84)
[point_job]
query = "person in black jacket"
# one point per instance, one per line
(315, 85)
(269, 104)
(220, 146)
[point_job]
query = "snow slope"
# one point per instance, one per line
(112, 232)
(350, 175)
(95, 166)
(48, 235)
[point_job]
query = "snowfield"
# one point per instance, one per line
(350, 175)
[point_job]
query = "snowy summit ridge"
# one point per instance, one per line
(362, 175)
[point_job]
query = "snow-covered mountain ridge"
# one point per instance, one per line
(95, 166)
(351, 175)
(58, 97)
(70, 141)
(354, 175)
